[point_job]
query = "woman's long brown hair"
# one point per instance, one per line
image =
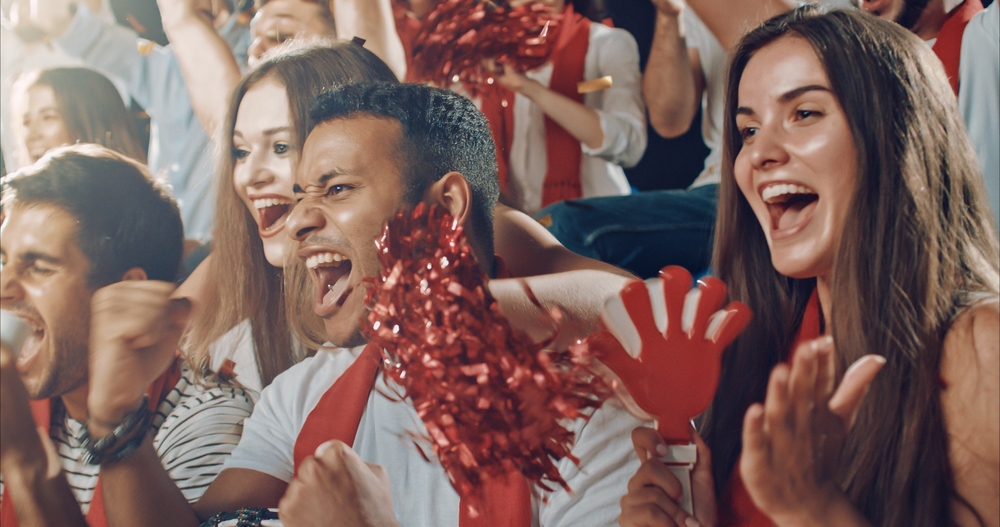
(91, 107)
(246, 286)
(918, 240)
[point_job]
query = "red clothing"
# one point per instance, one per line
(508, 503)
(948, 46)
(42, 412)
(744, 512)
(563, 151)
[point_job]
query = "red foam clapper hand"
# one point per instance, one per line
(666, 349)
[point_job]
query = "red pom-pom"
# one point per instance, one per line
(492, 401)
(459, 34)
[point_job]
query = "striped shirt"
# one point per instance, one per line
(194, 431)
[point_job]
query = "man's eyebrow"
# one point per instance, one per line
(793, 94)
(323, 180)
(32, 256)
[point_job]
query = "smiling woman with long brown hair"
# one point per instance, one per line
(851, 206)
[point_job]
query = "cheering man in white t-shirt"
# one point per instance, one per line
(373, 149)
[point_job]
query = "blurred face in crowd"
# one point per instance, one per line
(265, 156)
(906, 13)
(798, 164)
(44, 282)
(349, 184)
(281, 20)
(42, 124)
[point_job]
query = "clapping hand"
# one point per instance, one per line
(791, 442)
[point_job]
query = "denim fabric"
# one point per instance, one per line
(641, 232)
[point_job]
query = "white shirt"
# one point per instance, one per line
(715, 68)
(623, 120)
(421, 493)
(979, 95)
(237, 345)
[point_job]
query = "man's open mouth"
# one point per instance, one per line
(333, 280)
(789, 205)
(271, 214)
(33, 344)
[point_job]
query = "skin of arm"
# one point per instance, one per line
(557, 276)
(729, 20)
(30, 467)
(372, 20)
(581, 122)
(673, 81)
(970, 367)
(208, 65)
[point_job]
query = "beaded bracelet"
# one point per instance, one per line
(248, 517)
(122, 442)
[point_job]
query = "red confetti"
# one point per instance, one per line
(492, 400)
(458, 35)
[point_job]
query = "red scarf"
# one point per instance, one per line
(42, 412)
(948, 45)
(745, 513)
(562, 179)
(508, 502)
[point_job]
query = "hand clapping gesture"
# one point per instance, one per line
(791, 442)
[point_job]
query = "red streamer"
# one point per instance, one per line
(491, 399)
(459, 34)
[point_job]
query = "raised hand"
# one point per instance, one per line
(135, 326)
(669, 7)
(334, 488)
(670, 367)
(791, 442)
(40, 18)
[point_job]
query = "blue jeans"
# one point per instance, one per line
(641, 232)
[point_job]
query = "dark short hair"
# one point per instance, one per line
(126, 218)
(442, 132)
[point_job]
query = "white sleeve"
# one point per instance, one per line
(979, 95)
(620, 107)
(268, 443)
(199, 434)
(607, 461)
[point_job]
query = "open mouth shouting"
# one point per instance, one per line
(332, 271)
(271, 213)
(33, 344)
(791, 207)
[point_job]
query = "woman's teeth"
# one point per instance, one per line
(774, 191)
(320, 259)
(270, 202)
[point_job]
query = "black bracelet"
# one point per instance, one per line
(248, 517)
(122, 442)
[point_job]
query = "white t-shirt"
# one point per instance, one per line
(714, 67)
(623, 120)
(195, 429)
(421, 493)
(237, 345)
